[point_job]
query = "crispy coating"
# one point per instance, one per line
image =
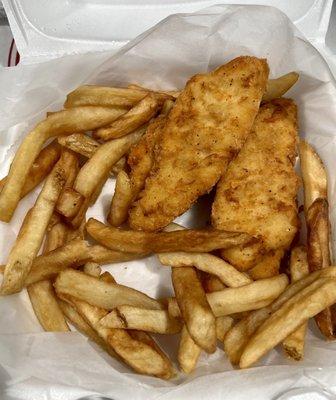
(257, 194)
(205, 129)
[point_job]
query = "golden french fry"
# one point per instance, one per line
(98, 167)
(72, 254)
(99, 293)
(121, 200)
(69, 203)
(40, 168)
(46, 307)
(188, 352)
(223, 325)
(56, 237)
(29, 241)
(131, 317)
(92, 269)
(88, 95)
(80, 143)
(136, 117)
(76, 233)
(232, 300)
(278, 87)
(294, 343)
(119, 166)
(268, 266)
(173, 308)
(79, 119)
(192, 240)
(311, 300)
(194, 307)
(314, 175)
(239, 335)
(207, 263)
(138, 350)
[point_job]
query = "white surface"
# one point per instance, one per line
(36, 365)
(45, 29)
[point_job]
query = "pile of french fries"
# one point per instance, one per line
(74, 152)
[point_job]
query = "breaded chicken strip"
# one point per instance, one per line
(257, 194)
(206, 128)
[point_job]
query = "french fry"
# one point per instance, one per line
(56, 236)
(139, 351)
(249, 297)
(98, 167)
(314, 175)
(188, 352)
(310, 301)
(119, 166)
(88, 95)
(72, 254)
(80, 143)
(207, 263)
(121, 199)
(294, 343)
(99, 293)
(278, 87)
(194, 307)
(192, 240)
(92, 269)
(30, 239)
(223, 325)
(131, 317)
(79, 119)
(40, 168)
(136, 117)
(239, 335)
(69, 203)
(316, 206)
(268, 266)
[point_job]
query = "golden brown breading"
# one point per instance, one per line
(140, 159)
(268, 266)
(205, 129)
(257, 194)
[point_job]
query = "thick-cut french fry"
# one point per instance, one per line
(139, 351)
(104, 96)
(311, 300)
(294, 343)
(232, 300)
(101, 294)
(98, 167)
(30, 239)
(194, 307)
(192, 240)
(72, 254)
(223, 325)
(268, 266)
(315, 184)
(131, 317)
(278, 87)
(121, 199)
(46, 307)
(40, 168)
(188, 352)
(79, 119)
(239, 335)
(136, 117)
(69, 203)
(76, 233)
(92, 269)
(314, 175)
(56, 236)
(207, 263)
(80, 143)
(119, 166)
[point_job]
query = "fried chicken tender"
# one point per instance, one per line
(205, 130)
(258, 193)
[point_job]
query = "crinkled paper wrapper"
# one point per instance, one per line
(37, 365)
